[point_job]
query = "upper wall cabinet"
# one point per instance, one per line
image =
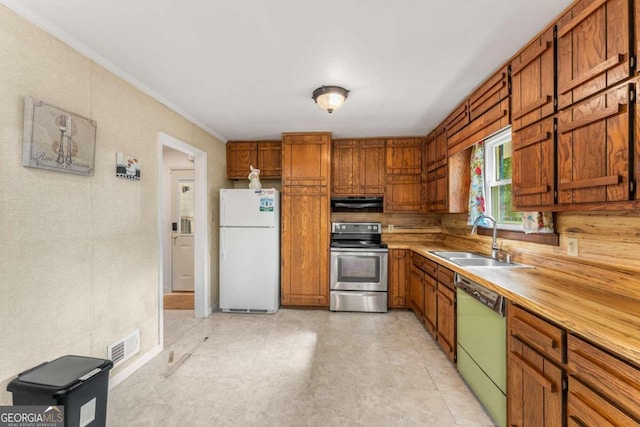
(532, 102)
(264, 155)
(593, 148)
(358, 167)
(488, 109)
(593, 48)
(532, 82)
(403, 190)
(306, 159)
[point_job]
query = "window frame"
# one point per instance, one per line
(501, 137)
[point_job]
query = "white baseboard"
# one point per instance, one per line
(134, 366)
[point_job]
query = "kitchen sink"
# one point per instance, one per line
(472, 259)
(447, 254)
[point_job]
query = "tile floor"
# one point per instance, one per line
(296, 368)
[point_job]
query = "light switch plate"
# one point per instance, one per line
(390, 228)
(572, 246)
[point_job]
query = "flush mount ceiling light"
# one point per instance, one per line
(330, 98)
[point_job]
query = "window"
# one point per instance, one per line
(497, 181)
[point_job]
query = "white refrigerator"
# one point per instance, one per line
(250, 250)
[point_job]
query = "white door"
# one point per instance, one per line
(182, 250)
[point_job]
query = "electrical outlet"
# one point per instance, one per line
(390, 228)
(572, 246)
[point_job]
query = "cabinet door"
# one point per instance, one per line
(345, 167)
(430, 152)
(593, 48)
(306, 159)
(534, 165)
(532, 81)
(399, 273)
(430, 304)
(441, 147)
(240, 155)
(446, 321)
(593, 149)
(535, 395)
(403, 193)
(438, 190)
(270, 159)
(417, 292)
(305, 246)
(372, 167)
(404, 156)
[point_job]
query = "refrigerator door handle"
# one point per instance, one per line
(222, 211)
(224, 243)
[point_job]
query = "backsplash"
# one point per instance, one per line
(604, 239)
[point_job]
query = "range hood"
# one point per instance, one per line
(357, 204)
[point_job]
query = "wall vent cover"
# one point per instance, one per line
(124, 348)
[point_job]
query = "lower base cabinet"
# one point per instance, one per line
(399, 274)
(534, 388)
(603, 389)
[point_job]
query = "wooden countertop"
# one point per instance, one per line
(582, 304)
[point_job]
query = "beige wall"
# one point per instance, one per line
(79, 254)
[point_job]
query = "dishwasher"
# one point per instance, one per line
(482, 345)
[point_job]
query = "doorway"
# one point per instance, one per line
(197, 225)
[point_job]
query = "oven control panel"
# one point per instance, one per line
(356, 227)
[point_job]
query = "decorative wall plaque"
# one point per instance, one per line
(57, 139)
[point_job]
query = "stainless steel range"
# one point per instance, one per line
(358, 267)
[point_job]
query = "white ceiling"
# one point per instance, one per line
(245, 69)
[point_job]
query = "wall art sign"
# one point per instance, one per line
(57, 139)
(127, 166)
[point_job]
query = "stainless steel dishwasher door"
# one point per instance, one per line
(482, 353)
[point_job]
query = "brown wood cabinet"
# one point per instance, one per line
(358, 167)
(417, 292)
(438, 309)
(603, 389)
(593, 148)
(306, 159)
(593, 48)
(264, 155)
(431, 305)
(446, 312)
(535, 390)
(305, 219)
(532, 82)
(533, 171)
(403, 190)
(399, 277)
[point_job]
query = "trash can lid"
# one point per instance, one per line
(63, 371)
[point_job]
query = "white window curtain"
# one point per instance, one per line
(537, 222)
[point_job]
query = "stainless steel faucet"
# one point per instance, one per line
(494, 245)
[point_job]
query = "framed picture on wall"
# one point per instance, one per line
(57, 139)
(127, 166)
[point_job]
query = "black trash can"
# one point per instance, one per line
(80, 384)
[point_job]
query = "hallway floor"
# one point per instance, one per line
(296, 368)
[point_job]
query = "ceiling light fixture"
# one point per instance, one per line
(330, 98)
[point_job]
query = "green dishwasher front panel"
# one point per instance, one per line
(482, 333)
(493, 399)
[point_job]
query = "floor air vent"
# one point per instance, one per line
(124, 348)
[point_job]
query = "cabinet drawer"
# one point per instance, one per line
(445, 276)
(586, 408)
(609, 376)
(537, 333)
(424, 264)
